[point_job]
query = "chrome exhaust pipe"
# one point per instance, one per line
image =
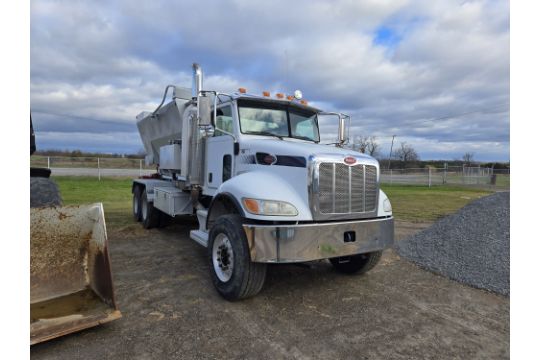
(197, 83)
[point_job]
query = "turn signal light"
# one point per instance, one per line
(242, 90)
(280, 95)
(252, 205)
(266, 93)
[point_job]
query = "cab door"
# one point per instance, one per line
(220, 150)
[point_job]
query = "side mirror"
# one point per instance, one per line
(204, 105)
(342, 131)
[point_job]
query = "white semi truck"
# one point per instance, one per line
(262, 186)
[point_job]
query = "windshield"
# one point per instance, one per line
(278, 120)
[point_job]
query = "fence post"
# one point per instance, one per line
(391, 180)
(98, 170)
(429, 176)
(445, 174)
(140, 167)
(48, 162)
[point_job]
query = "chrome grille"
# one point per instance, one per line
(371, 189)
(342, 188)
(347, 189)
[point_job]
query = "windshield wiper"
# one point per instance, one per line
(267, 133)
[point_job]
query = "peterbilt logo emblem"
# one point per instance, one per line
(349, 160)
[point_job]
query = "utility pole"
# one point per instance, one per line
(391, 146)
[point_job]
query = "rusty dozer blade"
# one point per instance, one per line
(70, 273)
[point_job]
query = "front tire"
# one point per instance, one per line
(356, 264)
(149, 215)
(233, 273)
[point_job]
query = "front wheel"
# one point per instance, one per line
(233, 274)
(356, 264)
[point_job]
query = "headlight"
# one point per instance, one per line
(387, 207)
(269, 207)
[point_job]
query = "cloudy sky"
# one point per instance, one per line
(433, 73)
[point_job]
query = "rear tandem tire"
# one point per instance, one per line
(149, 215)
(356, 264)
(137, 203)
(240, 278)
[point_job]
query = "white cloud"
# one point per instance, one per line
(111, 61)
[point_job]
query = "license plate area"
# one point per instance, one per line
(349, 236)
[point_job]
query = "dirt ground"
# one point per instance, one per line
(171, 310)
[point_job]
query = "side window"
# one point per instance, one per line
(223, 121)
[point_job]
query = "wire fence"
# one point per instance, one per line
(429, 176)
(456, 175)
(92, 166)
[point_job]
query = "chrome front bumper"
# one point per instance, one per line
(307, 242)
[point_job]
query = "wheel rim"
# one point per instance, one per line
(223, 257)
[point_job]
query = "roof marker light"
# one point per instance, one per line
(242, 90)
(290, 97)
(303, 102)
(280, 95)
(266, 93)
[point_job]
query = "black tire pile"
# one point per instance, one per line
(471, 246)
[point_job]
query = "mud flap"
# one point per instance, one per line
(70, 274)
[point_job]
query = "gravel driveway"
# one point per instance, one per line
(396, 311)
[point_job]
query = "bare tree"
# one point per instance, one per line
(359, 143)
(366, 145)
(468, 158)
(406, 153)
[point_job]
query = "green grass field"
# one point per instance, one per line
(409, 202)
(114, 193)
(426, 204)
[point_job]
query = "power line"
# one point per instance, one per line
(72, 116)
(462, 114)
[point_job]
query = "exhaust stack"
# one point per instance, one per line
(197, 83)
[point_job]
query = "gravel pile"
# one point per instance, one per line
(471, 246)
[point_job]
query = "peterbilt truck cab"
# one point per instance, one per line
(263, 186)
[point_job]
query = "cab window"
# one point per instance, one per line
(223, 121)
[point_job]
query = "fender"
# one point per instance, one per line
(271, 185)
(227, 200)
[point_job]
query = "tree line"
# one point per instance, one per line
(79, 153)
(404, 155)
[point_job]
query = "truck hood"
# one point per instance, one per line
(298, 148)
